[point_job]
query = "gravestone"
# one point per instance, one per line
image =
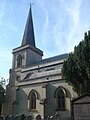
(10, 117)
(48, 118)
(7, 117)
(17, 117)
(23, 117)
(2, 117)
(38, 117)
(52, 118)
(29, 117)
(57, 116)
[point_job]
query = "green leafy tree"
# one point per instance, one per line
(2, 95)
(76, 69)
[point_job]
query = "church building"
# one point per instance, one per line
(36, 86)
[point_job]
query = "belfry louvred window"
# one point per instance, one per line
(19, 60)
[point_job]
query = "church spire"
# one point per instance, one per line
(28, 37)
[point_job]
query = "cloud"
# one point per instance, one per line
(80, 25)
(73, 12)
(60, 25)
(67, 23)
(5, 62)
(44, 25)
(5, 37)
(2, 10)
(45, 21)
(5, 55)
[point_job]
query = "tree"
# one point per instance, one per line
(2, 95)
(2, 91)
(76, 69)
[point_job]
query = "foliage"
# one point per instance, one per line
(2, 95)
(1, 92)
(76, 69)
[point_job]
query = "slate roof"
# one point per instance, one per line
(58, 57)
(51, 59)
(28, 37)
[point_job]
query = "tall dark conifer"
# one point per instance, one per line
(76, 69)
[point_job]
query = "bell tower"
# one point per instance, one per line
(24, 56)
(27, 54)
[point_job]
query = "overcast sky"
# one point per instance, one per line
(59, 25)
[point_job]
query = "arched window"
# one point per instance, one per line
(33, 101)
(61, 100)
(19, 60)
(60, 96)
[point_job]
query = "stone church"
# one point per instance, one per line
(36, 86)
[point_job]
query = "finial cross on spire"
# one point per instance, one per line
(28, 37)
(31, 4)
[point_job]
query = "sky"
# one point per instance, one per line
(59, 25)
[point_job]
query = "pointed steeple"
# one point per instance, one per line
(28, 37)
(28, 53)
